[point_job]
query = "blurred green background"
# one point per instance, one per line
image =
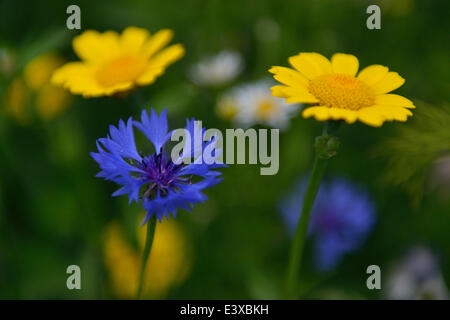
(54, 212)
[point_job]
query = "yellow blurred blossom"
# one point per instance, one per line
(37, 73)
(169, 263)
(16, 100)
(49, 100)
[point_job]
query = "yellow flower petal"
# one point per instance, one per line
(96, 47)
(299, 95)
(277, 91)
(158, 41)
(345, 64)
(289, 77)
(310, 64)
(394, 100)
(322, 62)
(349, 116)
(373, 74)
(71, 71)
(320, 113)
(150, 75)
(159, 62)
(167, 56)
(132, 39)
(370, 117)
(391, 112)
(79, 78)
(390, 82)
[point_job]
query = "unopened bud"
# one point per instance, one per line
(326, 146)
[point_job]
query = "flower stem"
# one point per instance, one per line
(298, 242)
(151, 226)
(325, 148)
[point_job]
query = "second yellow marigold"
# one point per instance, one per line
(114, 63)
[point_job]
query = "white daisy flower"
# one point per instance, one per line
(253, 103)
(217, 70)
(417, 276)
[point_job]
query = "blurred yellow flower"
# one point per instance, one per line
(49, 100)
(16, 99)
(37, 73)
(169, 263)
(114, 63)
(337, 93)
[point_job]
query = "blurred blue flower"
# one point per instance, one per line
(161, 185)
(341, 219)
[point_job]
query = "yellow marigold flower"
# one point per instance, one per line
(168, 265)
(338, 93)
(114, 63)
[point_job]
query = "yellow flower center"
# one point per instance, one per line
(227, 110)
(265, 109)
(341, 91)
(121, 70)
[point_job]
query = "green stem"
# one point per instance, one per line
(138, 101)
(151, 225)
(298, 242)
(326, 146)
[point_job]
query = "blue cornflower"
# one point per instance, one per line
(160, 184)
(341, 219)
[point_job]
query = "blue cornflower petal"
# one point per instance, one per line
(112, 164)
(202, 170)
(328, 251)
(131, 186)
(200, 151)
(122, 140)
(155, 128)
(341, 219)
(194, 151)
